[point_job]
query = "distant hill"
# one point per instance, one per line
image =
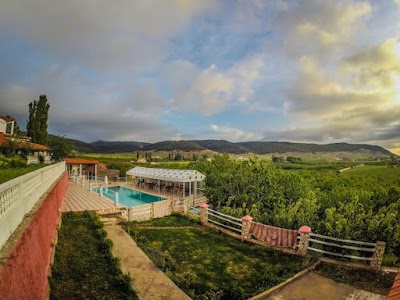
(175, 145)
(284, 147)
(106, 147)
(222, 146)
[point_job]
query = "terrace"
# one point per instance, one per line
(80, 197)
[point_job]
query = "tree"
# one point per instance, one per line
(37, 121)
(59, 148)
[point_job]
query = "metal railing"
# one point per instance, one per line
(195, 211)
(349, 246)
(224, 220)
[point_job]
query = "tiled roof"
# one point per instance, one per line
(102, 166)
(7, 119)
(83, 161)
(22, 143)
(73, 160)
(395, 291)
(167, 174)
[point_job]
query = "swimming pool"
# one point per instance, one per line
(129, 197)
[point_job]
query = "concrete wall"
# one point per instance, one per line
(24, 273)
(161, 209)
(18, 196)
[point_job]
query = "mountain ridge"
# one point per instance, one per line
(223, 146)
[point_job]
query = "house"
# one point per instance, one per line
(34, 153)
(7, 125)
(89, 169)
(21, 145)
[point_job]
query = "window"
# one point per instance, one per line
(9, 128)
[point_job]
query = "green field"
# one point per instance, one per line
(211, 265)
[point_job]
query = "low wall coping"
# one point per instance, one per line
(304, 229)
(247, 218)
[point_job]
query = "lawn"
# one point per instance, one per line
(8, 174)
(84, 267)
(211, 265)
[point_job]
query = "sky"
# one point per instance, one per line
(320, 71)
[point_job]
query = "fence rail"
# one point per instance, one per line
(222, 220)
(341, 244)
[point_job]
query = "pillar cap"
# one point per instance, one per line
(304, 229)
(247, 218)
(203, 205)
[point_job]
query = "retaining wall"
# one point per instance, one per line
(24, 273)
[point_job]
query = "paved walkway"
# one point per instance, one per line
(149, 282)
(316, 287)
(80, 198)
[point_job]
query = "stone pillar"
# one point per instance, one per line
(185, 206)
(376, 261)
(304, 232)
(203, 213)
(128, 214)
(246, 225)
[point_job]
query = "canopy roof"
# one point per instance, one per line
(167, 174)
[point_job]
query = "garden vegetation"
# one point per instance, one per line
(359, 205)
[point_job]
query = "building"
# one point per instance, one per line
(7, 125)
(182, 182)
(21, 145)
(89, 169)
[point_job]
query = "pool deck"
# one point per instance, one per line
(79, 198)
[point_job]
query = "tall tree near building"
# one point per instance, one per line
(37, 121)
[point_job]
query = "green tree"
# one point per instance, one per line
(59, 148)
(37, 121)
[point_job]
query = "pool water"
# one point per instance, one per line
(129, 197)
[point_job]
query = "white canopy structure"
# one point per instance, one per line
(194, 178)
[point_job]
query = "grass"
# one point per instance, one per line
(211, 265)
(9, 174)
(84, 267)
(379, 283)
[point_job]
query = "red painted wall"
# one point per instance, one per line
(25, 274)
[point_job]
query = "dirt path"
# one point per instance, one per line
(149, 282)
(316, 287)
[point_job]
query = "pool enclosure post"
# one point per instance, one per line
(184, 189)
(116, 198)
(190, 188)
(158, 185)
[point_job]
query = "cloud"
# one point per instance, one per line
(101, 34)
(233, 134)
(212, 90)
(318, 27)
(355, 101)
